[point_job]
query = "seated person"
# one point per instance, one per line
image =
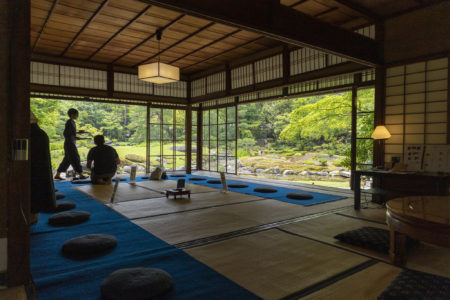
(105, 160)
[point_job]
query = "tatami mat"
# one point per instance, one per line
(125, 192)
(159, 206)
(423, 257)
(187, 226)
(326, 227)
(374, 213)
(365, 284)
(163, 185)
(274, 264)
(16, 293)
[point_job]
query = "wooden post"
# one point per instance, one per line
(188, 130)
(356, 82)
(147, 141)
(200, 138)
(380, 79)
(15, 124)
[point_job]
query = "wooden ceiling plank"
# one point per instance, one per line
(331, 9)
(297, 3)
(281, 23)
(45, 24)
(94, 15)
(149, 38)
(177, 43)
(120, 31)
(221, 53)
(371, 16)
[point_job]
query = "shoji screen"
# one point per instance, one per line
(416, 105)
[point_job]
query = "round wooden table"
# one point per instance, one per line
(425, 218)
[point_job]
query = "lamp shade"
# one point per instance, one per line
(381, 133)
(158, 72)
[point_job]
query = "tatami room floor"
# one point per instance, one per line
(274, 249)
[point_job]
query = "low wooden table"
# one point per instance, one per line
(178, 192)
(425, 218)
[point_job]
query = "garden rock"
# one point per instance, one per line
(288, 172)
(345, 174)
(276, 170)
(259, 171)
(322, 173)
(127, 169)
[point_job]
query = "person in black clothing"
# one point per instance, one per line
(41, 182)
(71, 156)
(105, 160)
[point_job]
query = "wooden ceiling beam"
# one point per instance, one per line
(327, 11)
(223, 52)
(45, 24)
(149, 38)
(297, 3)
(176, 43)
(205, 46)
(371, 16)
(270, 18)
(92, 18)
(118, 32)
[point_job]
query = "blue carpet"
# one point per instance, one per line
(57, 277)
(279, 195)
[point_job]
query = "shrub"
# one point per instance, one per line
(135, 158)
(242, 153)
(323, 161)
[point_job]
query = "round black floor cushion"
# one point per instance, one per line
(197, 178)
(89, 245)
(177, 175)
(81, 181)
(299, 196)
(265, 189)
(238, 185)
(68, 218)
(63, 206)
(59, 196)
(145, 177)
(214, 181)
(56, 190)
(136, 284)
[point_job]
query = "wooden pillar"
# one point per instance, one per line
(200, 138)
(188, 130)
(15, 125)
(380, 79)
(147, 141)
(353, 128)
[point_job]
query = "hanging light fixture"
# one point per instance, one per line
(158, 72)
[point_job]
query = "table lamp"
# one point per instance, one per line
(380, 134)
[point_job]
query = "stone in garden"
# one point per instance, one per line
(345, 174)
(288, 172)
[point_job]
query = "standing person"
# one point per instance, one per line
(71, 156)
(105, 160)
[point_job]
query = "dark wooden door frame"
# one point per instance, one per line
(15, 124)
